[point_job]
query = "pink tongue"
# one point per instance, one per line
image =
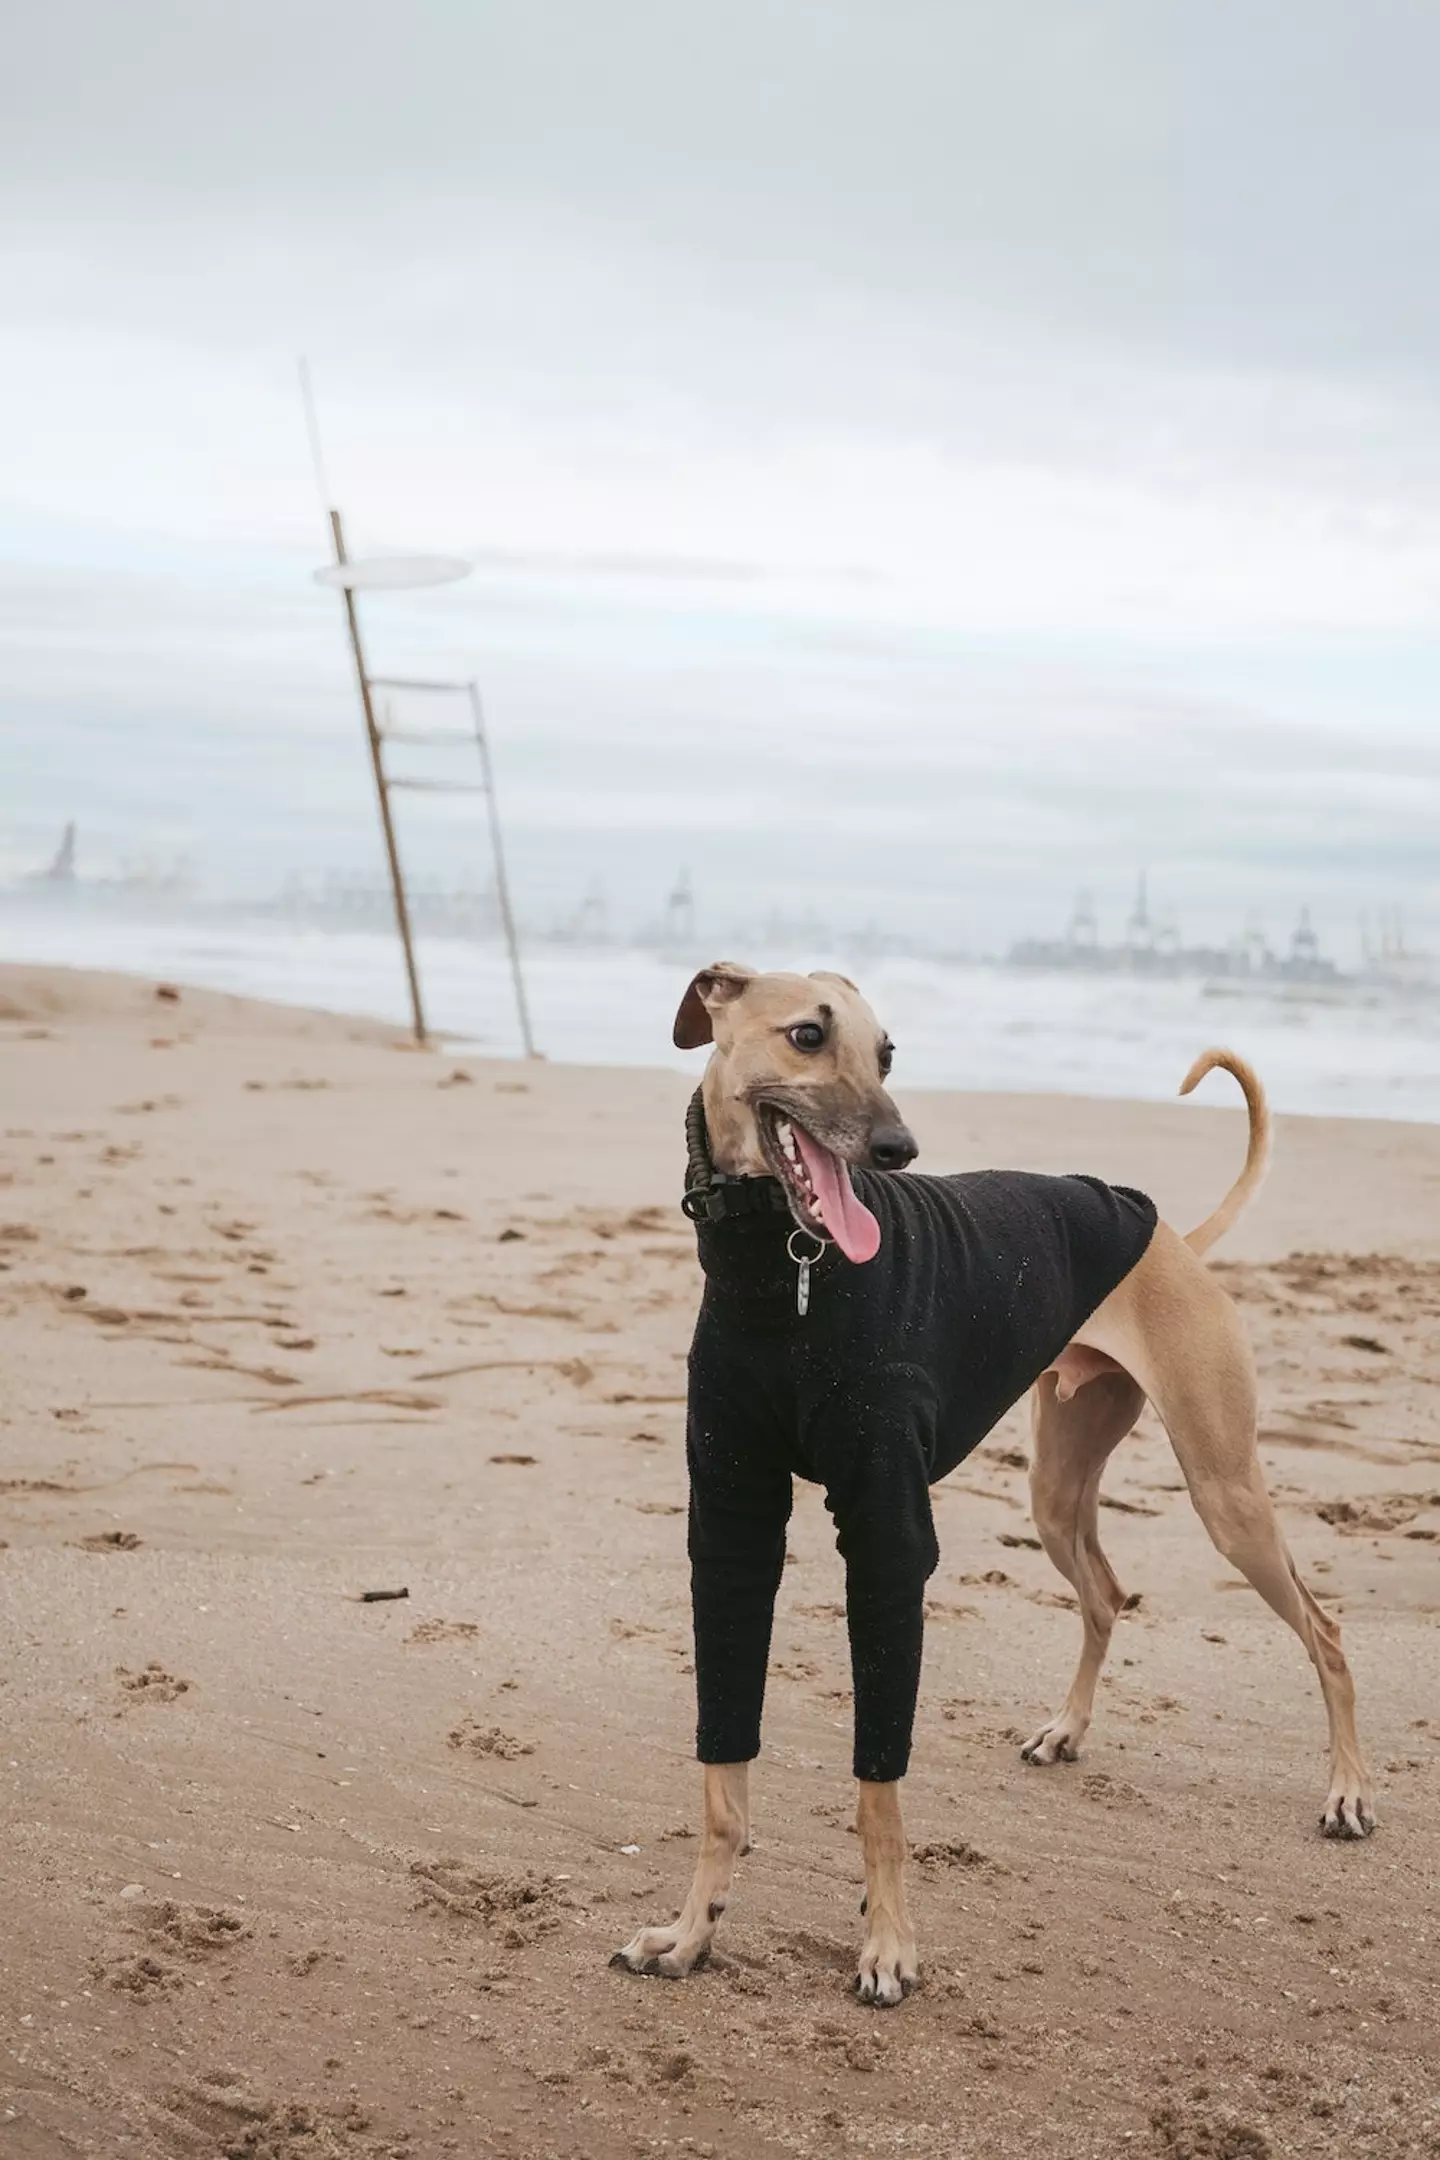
(840, 1208)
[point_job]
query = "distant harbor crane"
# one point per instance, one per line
(1084, 931)
(62, 870)
(1139, 930)
(680, 913)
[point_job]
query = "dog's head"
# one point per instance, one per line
(795, 1089)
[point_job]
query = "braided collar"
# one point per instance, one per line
(710, 1194)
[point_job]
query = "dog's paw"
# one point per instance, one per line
(1349, 1811)
(889, 1969)
(1055, 1742)
(667, 1953)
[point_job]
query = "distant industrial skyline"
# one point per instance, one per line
(675, 916)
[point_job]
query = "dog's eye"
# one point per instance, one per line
(807, 1035)
(887, 1059)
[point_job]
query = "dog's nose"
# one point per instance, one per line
(891, 1147)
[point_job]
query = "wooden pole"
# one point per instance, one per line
(502, 883)
(382, 792)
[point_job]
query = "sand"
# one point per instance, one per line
(293, 1312)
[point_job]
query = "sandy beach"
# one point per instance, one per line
(293, 1313)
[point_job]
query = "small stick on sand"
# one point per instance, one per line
(378, 1597)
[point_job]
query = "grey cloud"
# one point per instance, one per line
(1247, 182)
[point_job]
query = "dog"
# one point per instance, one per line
(865, 1328)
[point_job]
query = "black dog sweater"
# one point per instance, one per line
(899, 1368)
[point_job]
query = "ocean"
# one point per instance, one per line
(1321, 1052)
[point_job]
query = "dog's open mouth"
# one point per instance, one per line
(816, 1183)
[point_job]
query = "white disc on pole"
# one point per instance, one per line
(393, 573)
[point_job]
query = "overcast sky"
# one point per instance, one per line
(917, 454)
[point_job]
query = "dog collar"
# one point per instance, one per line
(711, 1195)
(725, 1196)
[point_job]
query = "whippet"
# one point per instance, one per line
(865, 1329)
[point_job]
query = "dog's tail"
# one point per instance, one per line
(1257, 1155)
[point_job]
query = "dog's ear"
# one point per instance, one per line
(712, 987)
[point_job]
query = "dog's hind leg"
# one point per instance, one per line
(676, 1950)
(1212, 1429)
(1073, 1441)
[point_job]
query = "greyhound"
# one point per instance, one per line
(792, 1121)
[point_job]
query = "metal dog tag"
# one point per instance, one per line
(803, 1264)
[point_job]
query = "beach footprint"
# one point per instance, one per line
(154, 1684)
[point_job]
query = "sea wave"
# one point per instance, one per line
(1360, 1053)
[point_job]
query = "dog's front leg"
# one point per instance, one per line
(889, 1963)
(675, 1951)
(887, 1537)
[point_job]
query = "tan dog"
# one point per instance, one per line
(806, 1052)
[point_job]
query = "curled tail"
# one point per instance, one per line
(1257, 1155)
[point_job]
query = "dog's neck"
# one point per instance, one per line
(734, 1138)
